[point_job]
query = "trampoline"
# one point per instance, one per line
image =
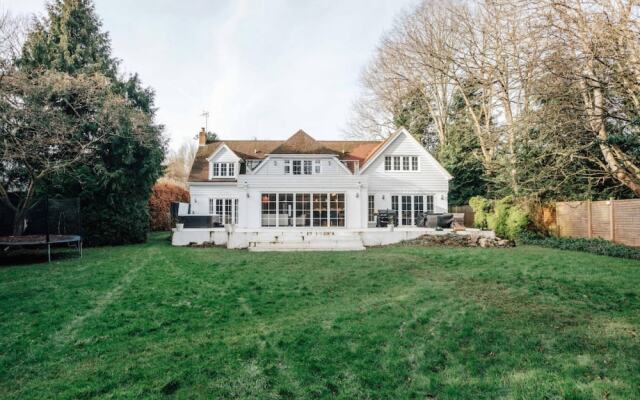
(41, 240)
(48, 223)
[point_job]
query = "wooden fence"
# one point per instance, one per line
(468, 214)
(615, 220)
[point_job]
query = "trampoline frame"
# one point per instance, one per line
(47, 240)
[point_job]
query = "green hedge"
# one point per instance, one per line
(595, 246)
(507, 217)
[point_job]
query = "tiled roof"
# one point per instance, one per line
(299, 143)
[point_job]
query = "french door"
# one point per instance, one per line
(303, 209)
(410, 206)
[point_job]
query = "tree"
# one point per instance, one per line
(178, 162)
(210, 137)
(52, 122)
(549, 88)
(115, 183)
(597, 43)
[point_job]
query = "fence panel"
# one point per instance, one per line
(572, 219)
(626, 217)
(616, 220)
(468, 214)
(600, 220)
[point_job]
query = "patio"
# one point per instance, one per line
(294, 239)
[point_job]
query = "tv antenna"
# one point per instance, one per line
(205, 114)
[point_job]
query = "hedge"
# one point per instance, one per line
(595, 246)
(164, 193)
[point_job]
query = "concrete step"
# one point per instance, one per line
(310, 245)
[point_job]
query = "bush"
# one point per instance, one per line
(595, 246)
(481, 207)
(507, 217)
(164, 193)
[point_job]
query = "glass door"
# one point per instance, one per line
(285, 209)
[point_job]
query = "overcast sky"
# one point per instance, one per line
(262, 68)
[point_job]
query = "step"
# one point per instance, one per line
(298, 237)
(313, 245)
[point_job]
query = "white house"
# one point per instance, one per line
(307, 184)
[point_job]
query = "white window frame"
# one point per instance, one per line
(217, 169)
(311, 201)
(403, 163)
(427, 200)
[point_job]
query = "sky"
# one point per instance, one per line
(261, 68)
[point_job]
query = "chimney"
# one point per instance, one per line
(202, 137)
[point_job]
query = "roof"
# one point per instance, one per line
(299, 143)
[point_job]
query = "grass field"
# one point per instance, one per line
(400, 322)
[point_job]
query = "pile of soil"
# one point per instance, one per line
(452, 240)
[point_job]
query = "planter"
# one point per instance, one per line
(179, 227)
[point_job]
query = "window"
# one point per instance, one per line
(285, 209)
(269, 209)
(227, 209)
(418, 208)
(302, 167)
(401, 163)
(411, 207)
(235, 211)
(223, 169)
(336, 209)
(405, 163)
(297, 167)
(405, 214)
(308, 167)
(387, 163)
(370, 208)
(320, 209)
(303, 209)
(219, 208)
(430, 203)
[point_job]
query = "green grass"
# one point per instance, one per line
(400, 322)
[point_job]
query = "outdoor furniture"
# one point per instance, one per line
(386, 217)
(201, 221)
(440, 220)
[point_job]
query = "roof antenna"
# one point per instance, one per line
(205, 114)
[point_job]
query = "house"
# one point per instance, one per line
(306, 183)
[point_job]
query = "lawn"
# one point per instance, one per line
(399, 322)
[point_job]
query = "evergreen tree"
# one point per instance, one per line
(115, 185)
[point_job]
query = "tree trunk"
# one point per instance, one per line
(19, 223)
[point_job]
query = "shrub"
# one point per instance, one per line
(481, 207)
(164, 193)
(507, 217)
(595, 246)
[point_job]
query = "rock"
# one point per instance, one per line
(453, 240)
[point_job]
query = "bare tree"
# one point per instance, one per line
(598, 44)
(179, 162)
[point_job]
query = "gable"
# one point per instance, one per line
(401, 143)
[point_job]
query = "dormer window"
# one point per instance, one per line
(223, 170)
(401, 163)
(301, 167)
